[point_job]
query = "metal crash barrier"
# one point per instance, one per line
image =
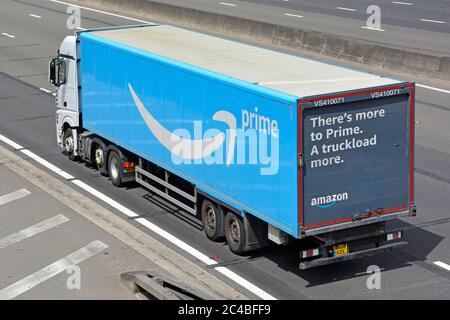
(158, 287)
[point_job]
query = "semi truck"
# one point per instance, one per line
(266, 148)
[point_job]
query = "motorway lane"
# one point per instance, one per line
(397, 13)
(37, 39)
(27, 118)
(401, 28)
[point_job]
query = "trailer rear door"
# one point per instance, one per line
(355, 155)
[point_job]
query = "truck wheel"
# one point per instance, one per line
(115, 169)
(235, 233)
(212, 219)
(99, 158)
(69, 144)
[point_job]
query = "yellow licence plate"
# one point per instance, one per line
(340, 249)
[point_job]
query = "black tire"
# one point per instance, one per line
(235, 233)
(115, 169)
(99, 158)
(68, 143)
(213, 221)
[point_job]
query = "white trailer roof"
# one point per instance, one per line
(282, 72)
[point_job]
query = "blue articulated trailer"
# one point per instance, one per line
(264, 147)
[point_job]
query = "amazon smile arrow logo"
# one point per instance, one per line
(188, 148)
(209, 148)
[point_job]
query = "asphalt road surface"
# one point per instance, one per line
(421, 26)
(27, 117)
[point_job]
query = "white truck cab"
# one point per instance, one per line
(63, 73)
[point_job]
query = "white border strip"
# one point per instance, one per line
(51, 270)
(13, 196)
(32, 231)
(442, 265)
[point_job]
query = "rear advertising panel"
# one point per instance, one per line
(357, 155)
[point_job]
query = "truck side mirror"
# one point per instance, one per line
(61, 71)
(52, 71)
(57, 71)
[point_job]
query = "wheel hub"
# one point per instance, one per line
(68, 144)
(99, 158)
(211, 218)
(235, 233)
(114, 168)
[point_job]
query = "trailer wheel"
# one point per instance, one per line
(213, 220)
(69, 144)
(235, 233)
(115, 169)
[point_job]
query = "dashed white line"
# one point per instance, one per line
(227, 4)
(45, 90)
(442, 265)
(32, 231)
(13, 196)
(432, 21)
(8, 35)
(35, 16)
(371, 28)
(100, 11)
(402, 3)
(51, 270)
(345, 9)
(166, 235)
(293, 15)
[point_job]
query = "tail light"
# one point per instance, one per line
(394, 235)
(310, 253)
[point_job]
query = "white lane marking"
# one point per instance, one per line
(32, 231)
(105, 199)
(180, 244)
(8, 35)
(35, 157)
(16, 146)
(35, 16)
(293, 15)
(246, 284)
(166, 235)
(442, 265)
(13, 196)
(51, 270)
(345, 9)
(370, 28)
(103, 12)
(433, 21)
(402, 3)
(45, 90)
(227, 4)
(432, 88)
(47, 164)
